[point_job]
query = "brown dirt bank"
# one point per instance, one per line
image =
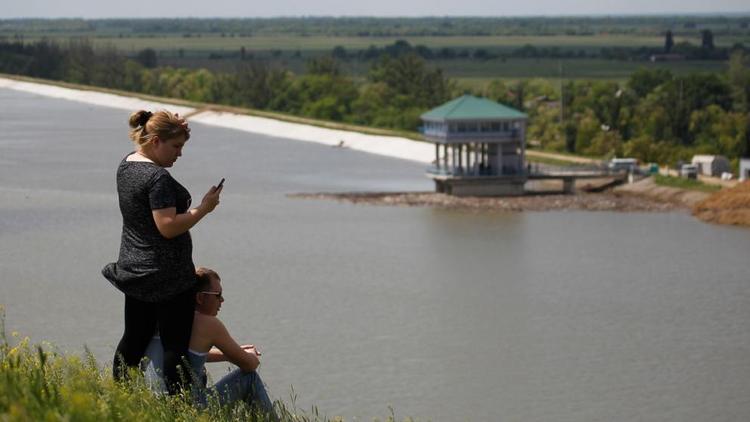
(582, 201)
(728, 206)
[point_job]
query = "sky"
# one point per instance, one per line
(274, 8)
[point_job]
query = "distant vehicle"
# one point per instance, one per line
(623, 164)
(689, 171)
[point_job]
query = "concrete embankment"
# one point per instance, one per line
(333, 135)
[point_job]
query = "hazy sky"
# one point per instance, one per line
(253, 8)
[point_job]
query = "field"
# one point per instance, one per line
(561, 48)
(567, 48)
(293, 52)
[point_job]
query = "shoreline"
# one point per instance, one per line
(607, 201)
(641, 196)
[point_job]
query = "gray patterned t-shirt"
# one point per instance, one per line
(150, 267)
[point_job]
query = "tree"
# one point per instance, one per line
(739, 80)
(668, 42)
(408, 75)
(588, 128)
(719, 132)
(643, 81)
(339, 52)
(147, 58)
(707, 39)
(47, 60)
(78, 61)
(109, 68)
(256, 84)
(325, 65)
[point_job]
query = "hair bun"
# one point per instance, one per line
(144, 118)
(140, 118)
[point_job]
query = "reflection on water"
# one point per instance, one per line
(444, 315)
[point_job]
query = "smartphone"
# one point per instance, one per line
(220, 183)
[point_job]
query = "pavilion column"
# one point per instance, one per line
(453, 159)
(500, 159)
(437, 156)
(445, 157)
(461, 158)
(477, 156)
(483, 151)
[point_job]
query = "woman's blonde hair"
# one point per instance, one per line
(164, 124)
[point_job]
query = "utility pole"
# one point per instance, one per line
(562, 93)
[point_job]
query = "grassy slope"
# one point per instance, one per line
(682, 183)
(37, 383)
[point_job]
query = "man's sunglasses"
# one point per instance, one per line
(217, 294)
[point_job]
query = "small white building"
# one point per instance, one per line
(744, 169)
(711, 165)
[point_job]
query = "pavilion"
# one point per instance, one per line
(479, 147)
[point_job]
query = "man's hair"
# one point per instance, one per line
(203, 278)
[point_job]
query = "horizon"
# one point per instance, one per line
(734, 14)
(217, 9)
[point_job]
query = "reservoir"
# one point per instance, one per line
(442, 315)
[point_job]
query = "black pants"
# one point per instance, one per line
(174, 320)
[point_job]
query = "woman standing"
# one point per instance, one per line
(155, 268)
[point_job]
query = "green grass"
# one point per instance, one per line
(38, 383)
(550, 161)
(683, 183)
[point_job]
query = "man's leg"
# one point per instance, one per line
(246, 386)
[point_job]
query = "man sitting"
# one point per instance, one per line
(211, 342)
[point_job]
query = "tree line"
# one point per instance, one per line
(655, 115)
(396, 91)
(383, 27)
(685, 50)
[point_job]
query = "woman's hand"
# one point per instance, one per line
(211, 199)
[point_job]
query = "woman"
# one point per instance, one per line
(155, 268)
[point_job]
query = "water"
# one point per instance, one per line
(443, 315)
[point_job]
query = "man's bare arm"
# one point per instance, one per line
(246, 358)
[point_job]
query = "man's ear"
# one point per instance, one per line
(199, 299)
